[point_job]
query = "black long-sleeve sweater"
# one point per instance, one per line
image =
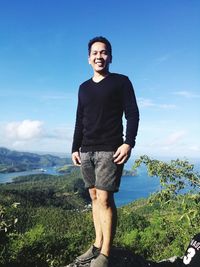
(99, 114)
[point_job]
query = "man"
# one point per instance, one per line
(98, 145)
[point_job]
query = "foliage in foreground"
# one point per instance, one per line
(156, 228)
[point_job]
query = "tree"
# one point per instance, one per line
(175, 176)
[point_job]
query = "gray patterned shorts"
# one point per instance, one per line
(100, 171)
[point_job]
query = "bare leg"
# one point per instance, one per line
(96, 218)
(108, 218)
(92, 252)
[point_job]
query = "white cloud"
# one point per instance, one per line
(175, 143)
(33, 135)
(24, 130)
(60, 133)
(166, 106)
(148, 103)
(187, 94)
(175, 137)
(195, 148)
(143, 103)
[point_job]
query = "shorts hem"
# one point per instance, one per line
(102, 188)
(114, 190)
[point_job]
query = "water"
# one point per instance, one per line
(7, 177)
(132, 187)
(135, 187)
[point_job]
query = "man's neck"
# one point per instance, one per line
(97, 77)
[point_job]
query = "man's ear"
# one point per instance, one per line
(89, 61)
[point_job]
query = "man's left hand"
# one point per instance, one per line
(122, 154)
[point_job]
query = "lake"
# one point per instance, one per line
(135, 187)
(7, 177)
(132, 187)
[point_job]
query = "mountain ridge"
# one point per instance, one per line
(12, 160)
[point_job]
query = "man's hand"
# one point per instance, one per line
(76, 158)
(122, 154)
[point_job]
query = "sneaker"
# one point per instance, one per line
(90, 254)
(100, 261)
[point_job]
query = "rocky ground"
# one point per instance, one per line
(121, 257)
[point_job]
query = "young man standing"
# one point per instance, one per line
(98, 145)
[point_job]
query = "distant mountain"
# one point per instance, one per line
(19, 161)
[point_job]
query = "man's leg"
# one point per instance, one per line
(94, 250)
(108, 218)
(96, 218)
(104, 218)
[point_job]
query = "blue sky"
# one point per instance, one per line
(43, 59)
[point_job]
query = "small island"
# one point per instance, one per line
(69, 168)
(129, 172)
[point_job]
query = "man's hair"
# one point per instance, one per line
(100, 39)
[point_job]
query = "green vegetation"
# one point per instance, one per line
(7, 168)
(65, 191)
(45, 219)
(67, 169)
(13, 161)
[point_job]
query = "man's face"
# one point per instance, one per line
(99, 57)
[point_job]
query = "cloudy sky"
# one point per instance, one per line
(43, 59)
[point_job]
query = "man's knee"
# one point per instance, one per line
(104, 198)
(93, 194)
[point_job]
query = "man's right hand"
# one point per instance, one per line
(76, 158)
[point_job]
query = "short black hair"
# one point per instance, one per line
(100, 39)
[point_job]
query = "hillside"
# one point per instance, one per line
(46, 220)
(36, 190)
(11, 161)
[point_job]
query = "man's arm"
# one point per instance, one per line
(76, 158)
(78, 135)
(122, 154)
(132, 121)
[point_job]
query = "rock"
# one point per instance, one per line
(119, 257)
